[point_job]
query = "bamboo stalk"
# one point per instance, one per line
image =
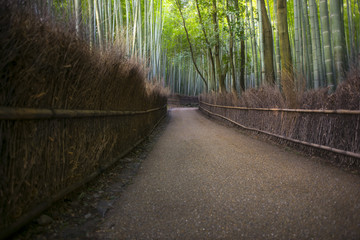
(7, 113)
(338, 111)
(335, 150)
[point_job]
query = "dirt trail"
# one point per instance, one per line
(203, 180)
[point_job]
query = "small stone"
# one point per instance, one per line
(44, 220)
(87, 215)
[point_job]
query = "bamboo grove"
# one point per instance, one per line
(295, 44)
(133, 25)
(194, 46)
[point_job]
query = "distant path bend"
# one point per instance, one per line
(203, 180)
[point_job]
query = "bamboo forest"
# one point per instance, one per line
(179, 119)
(195, 46)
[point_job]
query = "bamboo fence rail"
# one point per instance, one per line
(8, 113)
(314, 145)
(339, 111)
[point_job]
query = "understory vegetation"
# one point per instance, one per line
(337, 132)
(45, 65)
(346, 96)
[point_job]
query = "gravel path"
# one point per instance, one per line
(204, 180)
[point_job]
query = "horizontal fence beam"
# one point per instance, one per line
(334, 150)
(339, 111)
(8, 113)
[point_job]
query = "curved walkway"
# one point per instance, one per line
(203, 180)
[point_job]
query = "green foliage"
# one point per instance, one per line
(172, 43)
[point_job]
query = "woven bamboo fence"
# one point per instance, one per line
(337, 131)
(46, 153)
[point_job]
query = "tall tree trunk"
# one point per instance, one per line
(221, 76)
(318, 48)
(91, 23)
(242, 48)
(120, 14)
(301, 42)
(305, 50)
(316, 57)
(127, 9)
(277, 44)
(206, 40)
(242, 61)
(268, 46)
(98, 23)
(211, 74)
(135, 24)
(308, 46)
(139, 30)
(146, 25)
(110, 23)
(103, 9)
(77, 16)
(325, 29)
(253, 44)
(231, 47)
(190, 45)
(287, 79)
(337, 24)
(296, 36)
(261, 40)
(273, 36)
(350, 27)
(116, 24)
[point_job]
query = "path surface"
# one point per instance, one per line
(204, 180)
